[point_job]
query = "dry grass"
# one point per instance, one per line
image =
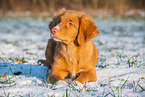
(93, 7)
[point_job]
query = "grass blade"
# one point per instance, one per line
(124, 83)
(12, 71)
(141, 87)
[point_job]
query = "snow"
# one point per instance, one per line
(120, 68)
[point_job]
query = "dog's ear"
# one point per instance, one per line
(53, 23)
(87, 29)
(61, 11)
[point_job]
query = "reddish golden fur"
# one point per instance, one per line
(74, 54)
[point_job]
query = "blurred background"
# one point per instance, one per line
(92, 7)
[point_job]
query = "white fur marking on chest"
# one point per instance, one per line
(70, 55)
(74, 72)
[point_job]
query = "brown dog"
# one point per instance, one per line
(70, 51)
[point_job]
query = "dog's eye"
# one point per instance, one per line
(70, 24)
(58, 21)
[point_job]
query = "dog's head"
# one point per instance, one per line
(69, 26)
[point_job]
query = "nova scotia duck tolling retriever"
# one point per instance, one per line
(71, 53)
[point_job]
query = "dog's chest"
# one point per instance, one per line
(72, 62)
(70, 55)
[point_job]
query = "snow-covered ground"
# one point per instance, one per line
(120, 69)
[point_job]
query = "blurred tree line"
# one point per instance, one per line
(54, 5)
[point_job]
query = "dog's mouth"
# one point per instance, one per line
(58, 39)
(55, 38)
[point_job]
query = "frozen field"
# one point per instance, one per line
(120, 69)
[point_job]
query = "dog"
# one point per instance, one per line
(71, 52)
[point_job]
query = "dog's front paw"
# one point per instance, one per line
(61, 82)
(77, 83)
(53, 79)
(68, 81)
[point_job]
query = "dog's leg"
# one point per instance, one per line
(50, 50)
(57, 74)
(90, 75)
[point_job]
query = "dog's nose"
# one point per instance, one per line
(54, 31)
